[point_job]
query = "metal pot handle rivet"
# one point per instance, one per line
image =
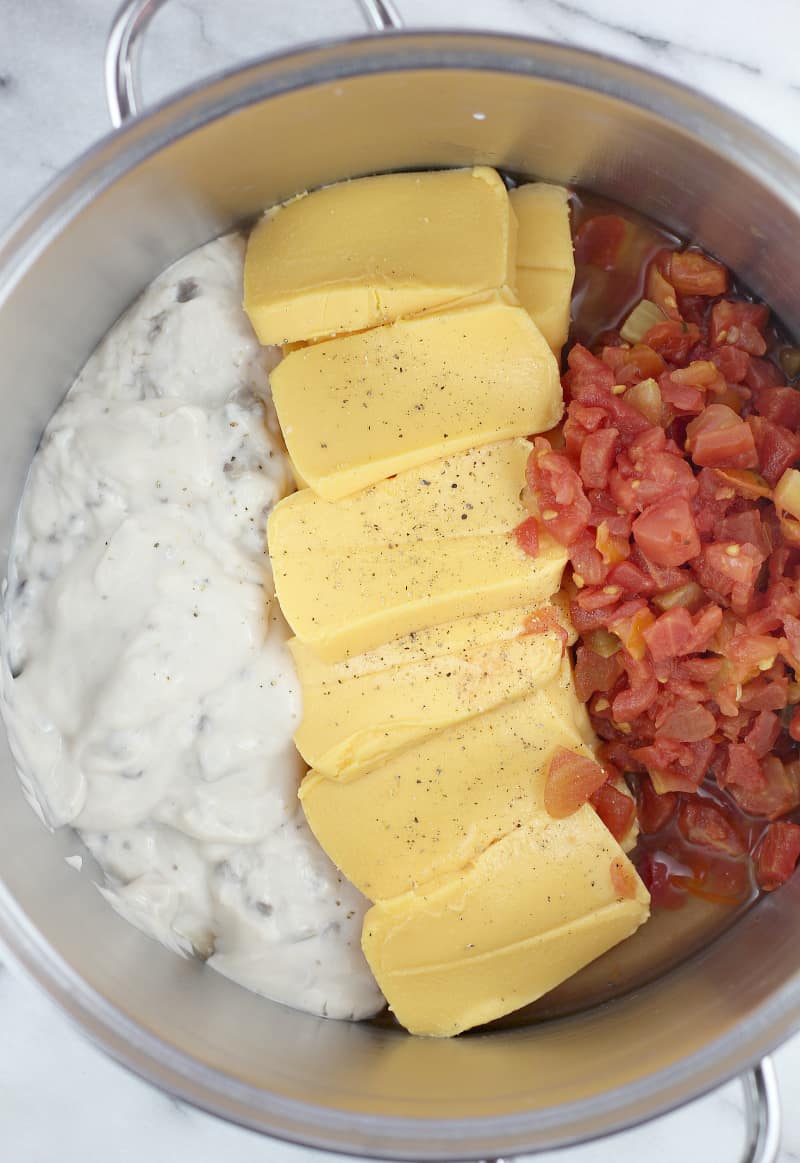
(125, 39)
(762, 1116)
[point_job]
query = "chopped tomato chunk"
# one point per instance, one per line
(598, 241)
(740, 325)
(777, 854)
(666, 532)
(691, 273)
(571, 780)
(718, 438)
(615, 809)
(703, 823)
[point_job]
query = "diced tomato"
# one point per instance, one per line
(777, 854)
(662, 475)
(703, 823)
(732, 362)
(666, 532)
(527, 535)
(597, 456)
(781, 405)
(612, 547)
(675, 766)
(794, 725)
(639, 363)
(682, 398)
(706, 624)
(571, 780)
(631, 579)
(763, 733)
(629, 625)
(665, 578)
(692, 273)
(688, 723)
(700, 373)
(563, 507)
(658, 288)
(615, 809)
(587, 562)
(673, 339)
(751, 654)
(598, 241)
(653, 810)
(586, 373)
(594, 673)
(585, 621)
(743, 768)
(671, 634)
(641, 692)
(780, 793)
(731, 570)
(763, 373)
(718, 438)
(740, 325)
(776, 446)
(745, 527)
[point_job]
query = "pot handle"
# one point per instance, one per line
(763, 1113)
(128, 28)
(762, 1116)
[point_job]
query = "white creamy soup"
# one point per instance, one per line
(148, 693)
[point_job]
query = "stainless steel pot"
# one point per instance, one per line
(166, 183)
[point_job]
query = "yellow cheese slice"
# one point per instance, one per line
(431, 808)
(360, 408)
(431, 545)
(545, 262)
(365, 252)
(547, 297)
(544, 237)
(358, 712)
(530, 911)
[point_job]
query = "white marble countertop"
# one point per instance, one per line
(59, 1096)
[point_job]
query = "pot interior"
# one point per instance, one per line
(196, 168)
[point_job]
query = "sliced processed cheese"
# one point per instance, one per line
(547, 297)
(358, 712)
(430, 809)
(365, 252)
(545, 262)
(544, 238)
(431, 545)
(360, 408)
(530, 911)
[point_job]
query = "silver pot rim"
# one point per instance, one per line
(143, 1051)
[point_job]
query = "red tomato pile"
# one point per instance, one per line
(685, 578)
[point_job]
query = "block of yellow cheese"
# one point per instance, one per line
(364, 252)
(359, 408)
(544, 237)
(545, 263)
(530, 911)
(429, 809)
(547, 297)
(431, 545)
(358, 712)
